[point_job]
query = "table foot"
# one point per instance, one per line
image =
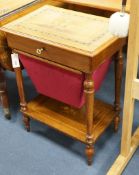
(26, 121)
(89, 153)
(116, 123)
(7, 114)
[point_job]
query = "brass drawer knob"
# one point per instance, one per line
(39, 51)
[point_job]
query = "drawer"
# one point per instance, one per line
(58, 55)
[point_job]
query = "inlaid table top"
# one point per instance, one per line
(7, 6)
(63, 28)
(74, 39)
(111, 5)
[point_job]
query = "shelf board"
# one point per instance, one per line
(69, 120)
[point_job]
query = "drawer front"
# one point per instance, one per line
(67, 58)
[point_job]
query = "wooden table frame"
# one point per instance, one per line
(113, 5)
(89, 94)
(97, 7)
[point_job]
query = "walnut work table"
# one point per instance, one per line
(80, 43)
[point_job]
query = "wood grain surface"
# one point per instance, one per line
(64, 28)
(70, 120)
(110, 5)
(64, 36)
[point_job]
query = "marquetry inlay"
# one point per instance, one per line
(63, 28)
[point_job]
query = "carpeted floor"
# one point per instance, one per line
(44, 151)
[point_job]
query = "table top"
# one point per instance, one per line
(111, 5)
(75, 31)
(8, 6)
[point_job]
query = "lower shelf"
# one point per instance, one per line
(69, 120)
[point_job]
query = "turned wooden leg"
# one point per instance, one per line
(4, 95)
(26, 121)
(23, 103)
(118, 81)
(89, 101)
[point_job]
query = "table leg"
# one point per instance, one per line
(89, 101)
(23, 103)
(118, 81)
(4, 95)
